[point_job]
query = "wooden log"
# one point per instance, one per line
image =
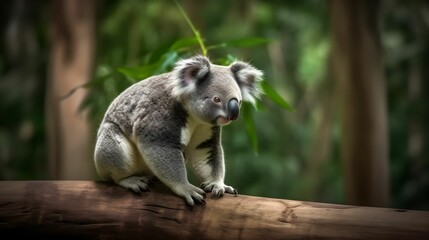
(101, 210)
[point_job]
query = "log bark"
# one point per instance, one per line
(102, 210)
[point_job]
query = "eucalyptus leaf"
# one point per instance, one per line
(275, 96)
(143, 72)
(184, 43)
(167, 61)
(250, 125)
(138, 73)
(156, 55)
(259, 106)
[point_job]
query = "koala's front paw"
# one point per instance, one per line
(218, 188)
(191, 194)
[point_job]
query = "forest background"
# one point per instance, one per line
(354, 72)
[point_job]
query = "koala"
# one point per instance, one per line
(156, 126)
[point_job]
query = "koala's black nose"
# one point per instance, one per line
(233, 109)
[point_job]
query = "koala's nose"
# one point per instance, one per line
(233, 109)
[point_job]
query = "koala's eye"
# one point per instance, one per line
(216, 99)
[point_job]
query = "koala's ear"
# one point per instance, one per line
(249, 80)
(186, 74)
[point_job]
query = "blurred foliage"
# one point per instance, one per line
(298, 154)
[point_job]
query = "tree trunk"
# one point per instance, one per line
(362, 97)
(71, 65)
(418, 97)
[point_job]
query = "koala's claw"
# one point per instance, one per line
(191, 194)
(231, 190)
(136, 184)
(205, 187)
(218, 189)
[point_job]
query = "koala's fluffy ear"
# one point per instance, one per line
(249, 80)
(187, 73)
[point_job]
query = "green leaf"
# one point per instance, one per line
(156, 55)
(259, 106)
(225, 61)
(275, 97)
(249, 122)
(184, 43)
(166, 61)
(138, 73)
(143, 72)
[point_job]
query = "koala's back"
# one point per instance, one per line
(147, 109)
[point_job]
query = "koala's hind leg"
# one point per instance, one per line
(117, 158)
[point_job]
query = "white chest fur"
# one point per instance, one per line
(192, 136)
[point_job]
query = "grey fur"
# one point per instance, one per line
(156, 125)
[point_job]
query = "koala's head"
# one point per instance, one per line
(213, 93)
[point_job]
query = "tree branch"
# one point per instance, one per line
(103, 210)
